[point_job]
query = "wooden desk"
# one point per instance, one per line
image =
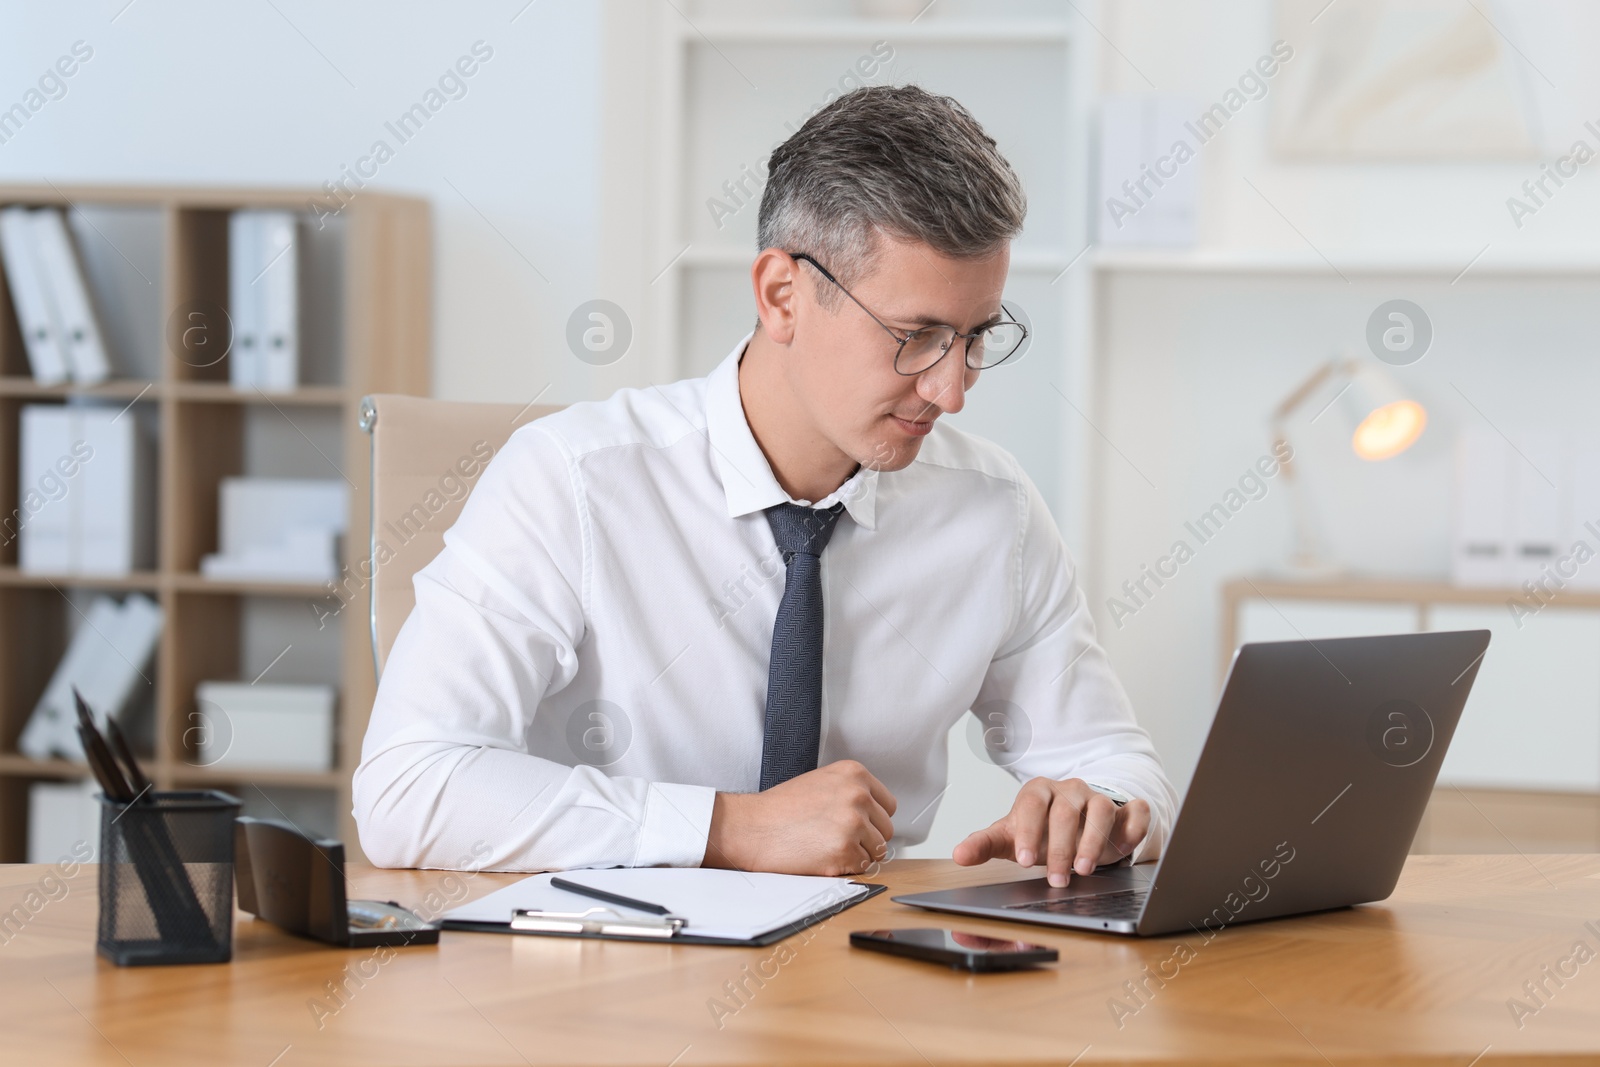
(1422, 978)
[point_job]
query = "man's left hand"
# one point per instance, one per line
(1067, 824)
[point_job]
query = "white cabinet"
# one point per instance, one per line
(1533, 719)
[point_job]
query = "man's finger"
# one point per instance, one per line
(881, 794)
(1099, 817)
(981, 846)
(1133, 823)
(1064, 816)
(874, 844)
(879, 820)
(1029, 820)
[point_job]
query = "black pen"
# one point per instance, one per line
(609, 898)
(104, 765)
(124, 752)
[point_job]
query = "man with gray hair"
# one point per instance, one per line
(731, 621)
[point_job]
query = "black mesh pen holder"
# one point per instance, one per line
(166, 878)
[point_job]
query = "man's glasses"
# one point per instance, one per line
(920, 349)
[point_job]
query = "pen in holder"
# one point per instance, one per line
(166, 859)
(166, 878)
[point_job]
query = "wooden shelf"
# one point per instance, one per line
(367, 325)
(191, 582)
(214, 198)
(221, 777)
(1390, 590)
(201, 392)
(154, 581)
(15, 765)
(223, 393)
(115, 388)
(147, 581)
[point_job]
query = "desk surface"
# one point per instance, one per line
(1425, 977)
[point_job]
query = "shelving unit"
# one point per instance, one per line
(713, 124)
(735, 79)
(1228, 260)
(152, 254)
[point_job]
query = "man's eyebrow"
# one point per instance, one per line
(920, 321)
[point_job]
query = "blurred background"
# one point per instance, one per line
(1361, 233)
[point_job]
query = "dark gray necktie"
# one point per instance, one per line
(794, 679)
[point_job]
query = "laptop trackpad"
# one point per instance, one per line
(1109, 880)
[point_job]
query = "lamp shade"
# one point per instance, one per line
(1387, 421)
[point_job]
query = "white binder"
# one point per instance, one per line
(1137, 133)
(63, 819)
(108, 660)
(99, 518)
(1481, 555)
(244, 305)
(115, 533)
(280, 303)
(1583, 518)
(64, 279)
(26, 279)
(47, 498)
(1536, 511)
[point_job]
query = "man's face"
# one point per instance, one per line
(842, 366)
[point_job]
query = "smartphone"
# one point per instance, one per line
(963, 951)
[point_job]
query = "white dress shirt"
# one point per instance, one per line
(587, 662)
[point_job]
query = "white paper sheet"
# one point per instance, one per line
(738, 905)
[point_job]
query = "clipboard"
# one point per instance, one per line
(588, 919)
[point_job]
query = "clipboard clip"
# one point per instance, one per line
(603, 921)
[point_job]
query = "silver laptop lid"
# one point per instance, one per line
(1314, 777)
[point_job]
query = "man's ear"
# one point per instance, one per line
(773, 277)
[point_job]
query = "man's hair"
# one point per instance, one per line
(895, 160)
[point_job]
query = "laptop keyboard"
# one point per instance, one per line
(1123, 904)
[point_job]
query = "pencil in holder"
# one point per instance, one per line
(166, 878)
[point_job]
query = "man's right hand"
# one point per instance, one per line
(832, 821)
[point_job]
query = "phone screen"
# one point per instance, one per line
(955, 941)
(955, 947)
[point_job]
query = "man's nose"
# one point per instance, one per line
(945, 383)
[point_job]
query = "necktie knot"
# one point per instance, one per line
(797, 528)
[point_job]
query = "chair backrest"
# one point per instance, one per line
(426, 456)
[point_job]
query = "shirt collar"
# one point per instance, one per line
(747, 478)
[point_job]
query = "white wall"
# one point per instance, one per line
(1191, 362)
(183, 91)
(1200, 47)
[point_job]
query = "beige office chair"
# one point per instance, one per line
(417, 444)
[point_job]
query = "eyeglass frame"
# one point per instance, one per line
(901, 341)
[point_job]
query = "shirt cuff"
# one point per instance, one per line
(677, 823)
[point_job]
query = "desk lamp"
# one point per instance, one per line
(1387, 422)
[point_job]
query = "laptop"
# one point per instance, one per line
(1320, 761)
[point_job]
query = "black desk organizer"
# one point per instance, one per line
(166, 878)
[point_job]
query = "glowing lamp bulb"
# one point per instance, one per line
(1389, 430)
